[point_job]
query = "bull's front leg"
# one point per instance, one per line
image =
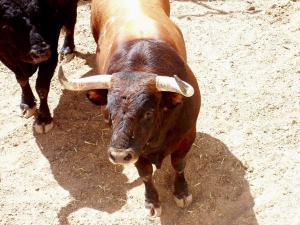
(28, 105)
(152, 202)
(44, 121)
(182, 196)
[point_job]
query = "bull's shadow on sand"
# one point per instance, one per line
(216, 178)
(77, 151)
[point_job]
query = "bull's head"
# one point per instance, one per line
(19, 34)
(132, 106)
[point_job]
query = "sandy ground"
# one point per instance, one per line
(244, 166)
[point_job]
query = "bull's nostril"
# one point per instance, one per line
(121, 156)
(128, 157)
(41, 51)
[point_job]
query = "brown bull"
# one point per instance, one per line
(152, 113)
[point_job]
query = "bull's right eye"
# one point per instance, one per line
(149, 114)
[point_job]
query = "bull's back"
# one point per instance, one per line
(115, 22)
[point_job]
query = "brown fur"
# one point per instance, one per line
(136, 41)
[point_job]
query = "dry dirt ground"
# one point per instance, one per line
(244, 166)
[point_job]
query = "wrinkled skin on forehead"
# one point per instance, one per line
(133, 105)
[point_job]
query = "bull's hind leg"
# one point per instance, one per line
(181, 193)
(152, 202)
(67, 50)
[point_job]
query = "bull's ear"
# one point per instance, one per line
(98, 97)
(171, 99)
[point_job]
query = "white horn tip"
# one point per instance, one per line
(186, 89)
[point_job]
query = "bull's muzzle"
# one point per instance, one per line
(122, 156)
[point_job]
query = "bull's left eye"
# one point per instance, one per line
(149, 114)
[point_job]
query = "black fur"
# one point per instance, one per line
(29, 32)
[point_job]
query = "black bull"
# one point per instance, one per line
(29, 32)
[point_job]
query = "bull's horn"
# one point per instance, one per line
(174, 84)
(85, 83)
